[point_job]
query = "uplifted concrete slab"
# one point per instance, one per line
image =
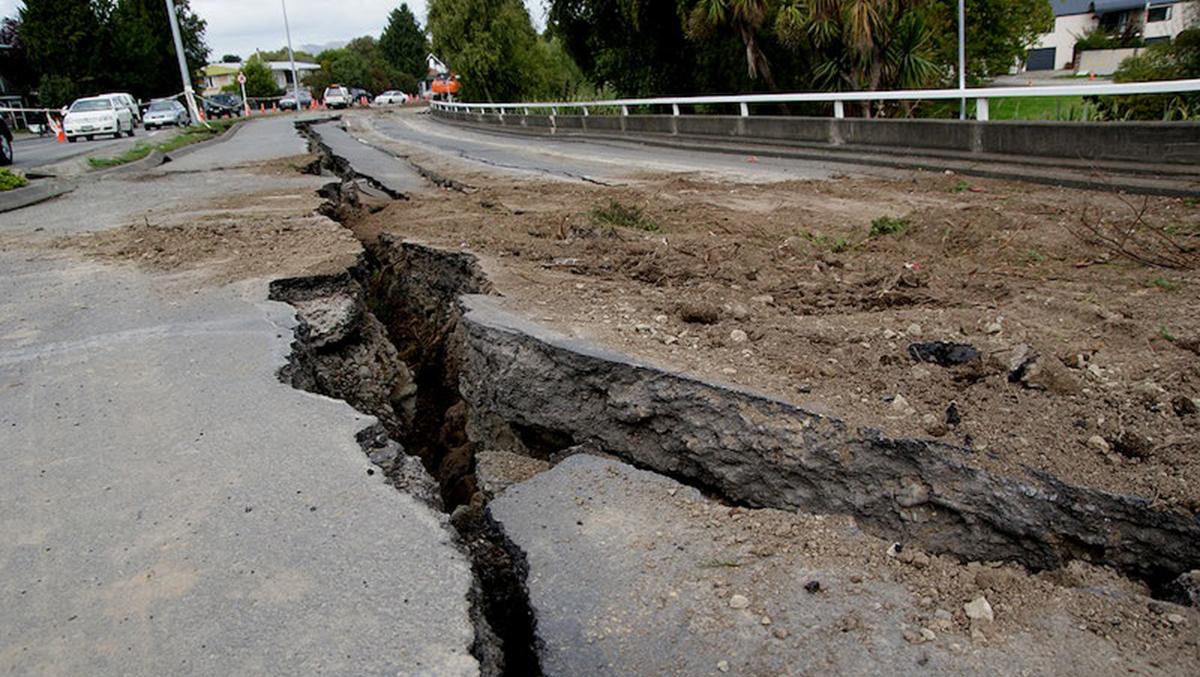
(633, 573)
(387, 171)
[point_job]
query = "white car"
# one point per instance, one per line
(94, 116)
(165, 112)
(390, 98)
(336, 96)
(126, 100)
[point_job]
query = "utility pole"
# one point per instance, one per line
(962, 58)
(184, 73)
(291, 57)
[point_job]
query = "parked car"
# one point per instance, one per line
(127, 100)
(289, 102)
(358, 95)
(222, 106)
(166, 112)
(97, 115)
(391, 98)
(6, 148)
(337, 96)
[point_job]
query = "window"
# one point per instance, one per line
(1159, 14)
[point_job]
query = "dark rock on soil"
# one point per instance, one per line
(943, 353)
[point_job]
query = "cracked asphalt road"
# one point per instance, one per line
(167, 505)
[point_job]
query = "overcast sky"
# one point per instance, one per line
(241, 26)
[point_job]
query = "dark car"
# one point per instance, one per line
(222, 106)
(6, 151)
(357, 95)
(288, 102)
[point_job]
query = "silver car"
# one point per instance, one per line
(165, 113)
(95, 116)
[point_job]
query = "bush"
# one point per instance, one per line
(888, 225)
(9, 180)
(628, 216)
(1175, 60)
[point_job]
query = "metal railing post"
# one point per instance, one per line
(585, 113)
(624, 111)
(981, 109)
(675, 109)
(839, 109)
(745, 109)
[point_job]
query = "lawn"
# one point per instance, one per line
(1039, 108)
(185, 138)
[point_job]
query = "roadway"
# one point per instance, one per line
(168, 505)
(34, 152)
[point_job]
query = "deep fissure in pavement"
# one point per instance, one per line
(380, 336)
(480, 377)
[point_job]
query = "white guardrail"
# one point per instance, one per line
(839, 99)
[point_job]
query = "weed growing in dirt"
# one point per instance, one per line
(960, 186)
(1165, 284)
(837, 246)
(9, 181)
(1166, 334)
(888, 225)
(627, 216)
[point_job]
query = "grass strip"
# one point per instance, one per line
(187, 137)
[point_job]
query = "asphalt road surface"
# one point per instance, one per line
(167, 505)
(40, 151)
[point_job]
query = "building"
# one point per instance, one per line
(1074, 19)
(220, 75)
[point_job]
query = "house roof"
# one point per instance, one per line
(1068, 7)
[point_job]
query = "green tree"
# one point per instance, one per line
(999, 33)
(860, 44)
(260, 82)
(65, 42)
(491, 44)
(14, 61)
(143, 56)
(281, 54)
(231, 58)
(403, 42)
(745, 18)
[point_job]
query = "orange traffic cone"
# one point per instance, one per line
(60, 134)
(274, 107)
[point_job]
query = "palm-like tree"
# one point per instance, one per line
(860, 44)
(744, 17)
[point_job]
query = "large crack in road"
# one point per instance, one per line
(411, 336)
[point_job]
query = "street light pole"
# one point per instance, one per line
(291, 57)
(188, 92)
(962, 58)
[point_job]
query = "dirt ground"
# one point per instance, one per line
(276, 234)
(1088, 352)
(1087, 361)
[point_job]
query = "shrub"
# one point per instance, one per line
(9, 180)
(888, 225)
(628, 216)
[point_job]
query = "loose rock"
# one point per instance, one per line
(1098, 443)
(1184, 405)
(942, 353)
(979, 609)
(738, 602)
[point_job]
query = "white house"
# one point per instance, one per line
(218, 75)
(1075, 18)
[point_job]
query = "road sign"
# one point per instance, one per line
(242, 83)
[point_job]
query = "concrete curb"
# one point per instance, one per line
(34, 193)
(1175, 182)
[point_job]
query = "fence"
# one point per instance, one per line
(981, 97)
